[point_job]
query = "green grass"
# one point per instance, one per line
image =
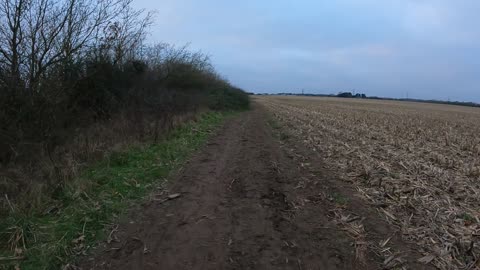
(284, 136)
(468, 218)
(273, 123)
(103, 192)
(279, 132)
(339, 199)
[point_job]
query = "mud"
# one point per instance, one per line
(246, 203)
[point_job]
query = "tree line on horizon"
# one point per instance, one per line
(364, 96)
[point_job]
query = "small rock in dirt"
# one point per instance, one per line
(174, 196)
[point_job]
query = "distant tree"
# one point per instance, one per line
(345, 95)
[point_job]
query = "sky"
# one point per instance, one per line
(428, 49)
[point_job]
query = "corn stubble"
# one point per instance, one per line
(418, 164)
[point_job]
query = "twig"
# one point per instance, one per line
(12, 258)
(231, 183)
(9, 203)
(169, 197)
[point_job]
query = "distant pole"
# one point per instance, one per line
(303, 92)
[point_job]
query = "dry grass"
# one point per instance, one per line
(70, 223)
(29, 184)
(419, 164)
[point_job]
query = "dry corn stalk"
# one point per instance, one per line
(419, 163)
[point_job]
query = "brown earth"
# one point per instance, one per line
(251, 201)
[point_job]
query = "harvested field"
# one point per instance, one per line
(307, 183)
(417, 164)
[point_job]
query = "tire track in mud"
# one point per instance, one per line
(245, 204)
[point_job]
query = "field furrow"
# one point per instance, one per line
(419, 164)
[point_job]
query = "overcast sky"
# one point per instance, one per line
(426, 48)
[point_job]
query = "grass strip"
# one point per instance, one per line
(95, 199)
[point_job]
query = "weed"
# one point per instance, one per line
(274, 124)
(284, 136)
(339, 199)
(468, 219)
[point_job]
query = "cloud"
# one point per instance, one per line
(364, 53)
(442, 22)
(427, 47)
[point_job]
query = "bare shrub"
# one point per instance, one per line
(77, 79)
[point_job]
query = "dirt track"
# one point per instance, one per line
(247, 203)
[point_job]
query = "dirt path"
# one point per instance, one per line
(245, 204)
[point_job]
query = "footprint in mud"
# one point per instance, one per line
(129, 247)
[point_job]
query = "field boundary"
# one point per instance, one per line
(93, 201)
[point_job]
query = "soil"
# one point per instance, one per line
(249, 201)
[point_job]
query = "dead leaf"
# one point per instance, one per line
(388, 260)
(174, 196)
(384, 243)
(18, 252)
(426, 259)
(78, 240)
